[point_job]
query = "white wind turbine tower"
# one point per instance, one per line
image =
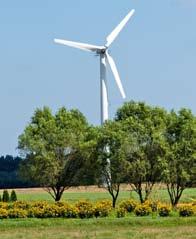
(102, 51)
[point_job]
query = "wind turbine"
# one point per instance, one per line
(102, 51)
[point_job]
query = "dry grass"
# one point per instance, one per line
(124, 187)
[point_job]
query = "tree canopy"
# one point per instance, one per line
(51, 146)
(145, 146)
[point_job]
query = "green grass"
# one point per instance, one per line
(124, 228)
(162, 195)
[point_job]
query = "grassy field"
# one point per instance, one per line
(123, 228)
(151, 227)
(94, 194)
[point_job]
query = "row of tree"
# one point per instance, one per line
(9, 177)
(142, 146)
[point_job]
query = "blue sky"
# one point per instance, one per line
(155, 55)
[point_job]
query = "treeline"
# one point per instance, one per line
(142, 146)
(9, 177)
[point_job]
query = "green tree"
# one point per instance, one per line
(145, 146)
(51, 147)
(5, 197)
(181, 161)
(111, 164)
(13, 196)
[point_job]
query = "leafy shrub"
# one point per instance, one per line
(39, 204)
(152, 204)
(13, 196)
(5, 197)
(85, 209)
(102, 208)
(142, 210)
(51, 211)
(186, 210)
(68, 211)
(0, 198)
(21, 204)
(128, 205)
(3, 213)
(4, 205)
(120, 212)
(17, 213)
(164, 210)
(36, 212)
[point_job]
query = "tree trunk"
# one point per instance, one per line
(140, 195)
(175, 193)
(58, 196)
(114, 201)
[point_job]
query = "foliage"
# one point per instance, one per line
(145, 146)
(51, 147)
(17, 213)
(21, 204)
(120, 212)
(152, 204)
(129, 205)
(3, 213)
(142, 210)
(85, 209)
(9, 177)
(111, 162)
(68, 211)
(186, 210)
(102, 208)
(181, 137)
(13, 196)
(164, 210)
(5, 197)
(4, 205)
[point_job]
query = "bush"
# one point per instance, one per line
(102, 208)
(21, 204)
(3, 213)
(4, 205)
(17, 213)
(39, 204)
(164, 210)
(36, 212)
(5, 197)
(85, 209)
(186, 210)
(152, 204)
(128, 205)
(0, 198)
(51, 211)
(142, 210)
(120, 212)
(13, 196)
(68, 211)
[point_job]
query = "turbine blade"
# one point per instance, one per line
(115, 73)
(81, 46)
(119, 28)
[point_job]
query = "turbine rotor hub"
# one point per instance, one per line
(102, 51)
